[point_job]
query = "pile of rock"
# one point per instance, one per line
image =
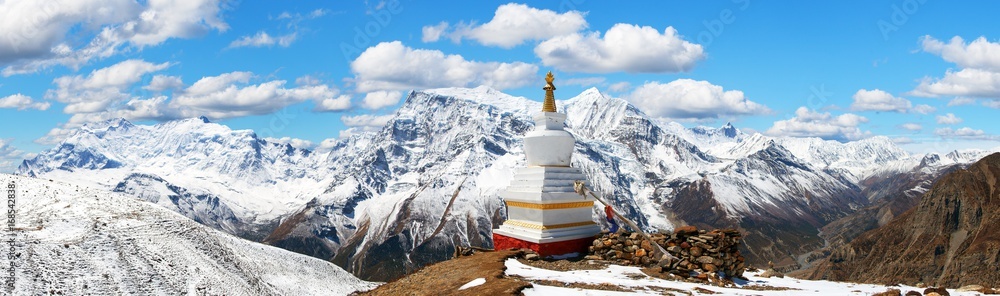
(696, 251)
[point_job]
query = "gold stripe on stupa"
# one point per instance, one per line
(545, 227)
(551, 206)
(550, 99)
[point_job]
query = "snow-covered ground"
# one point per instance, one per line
(632, 278)
(74, 240)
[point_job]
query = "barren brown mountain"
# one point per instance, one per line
(951, 238)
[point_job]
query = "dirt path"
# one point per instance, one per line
(445, 278)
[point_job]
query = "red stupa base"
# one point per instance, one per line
(580, 245)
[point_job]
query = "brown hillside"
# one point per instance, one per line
(951, 238)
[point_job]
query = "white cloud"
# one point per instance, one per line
(41, 34)
(105, 94)
(623, 86)
(381, 99)
(923, 109)
(513, 24)
(229, 95)
(691, 99)
(911, 126)
(995, 104)
(293, 20)
(966, 82)
(879, 100)
(22, 102)
(297, 143)
(623, 48)
(307, 80)
(964, 133)
(340, 103)
(101, 87)
(211, 84)
(978, 54)
(433, 33)
(164, 82)
(262, 39)
(421, 68)
(807, 123)
(980, 73)
(366, 120)
(949, 118)
(10, 157)
(960, 101)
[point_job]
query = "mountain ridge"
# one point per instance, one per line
(387, 189)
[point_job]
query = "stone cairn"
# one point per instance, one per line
(699, 253)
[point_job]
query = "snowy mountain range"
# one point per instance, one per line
(378, 203)
(73, 240)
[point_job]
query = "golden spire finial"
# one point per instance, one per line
(550, 99)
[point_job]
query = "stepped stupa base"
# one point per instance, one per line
(579, 246)
(544, 211)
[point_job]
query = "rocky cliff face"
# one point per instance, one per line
(950, 238)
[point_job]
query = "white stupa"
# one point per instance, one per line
(544, 213)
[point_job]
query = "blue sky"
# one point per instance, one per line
(925, 73)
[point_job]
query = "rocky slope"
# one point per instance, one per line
(76, 240)
(950, 238)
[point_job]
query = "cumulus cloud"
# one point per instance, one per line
(107, 93)
(420, 68)
(808, 123)
(966, 82)
(980, 73)
(340, 103)
(433, 33)
(978, 54)
(41, 34)
(22, 102)
(512, 25)
(949, 118)
(879, 100)
(307, 80)
(623, 86)
(102, 87)
(381, 99)
(230, 95)
(262, 39)
(623, 48)
(692, 99)
(911, 126)
(10, 157)
(164, 82)
(961, 101)
(965, 133)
